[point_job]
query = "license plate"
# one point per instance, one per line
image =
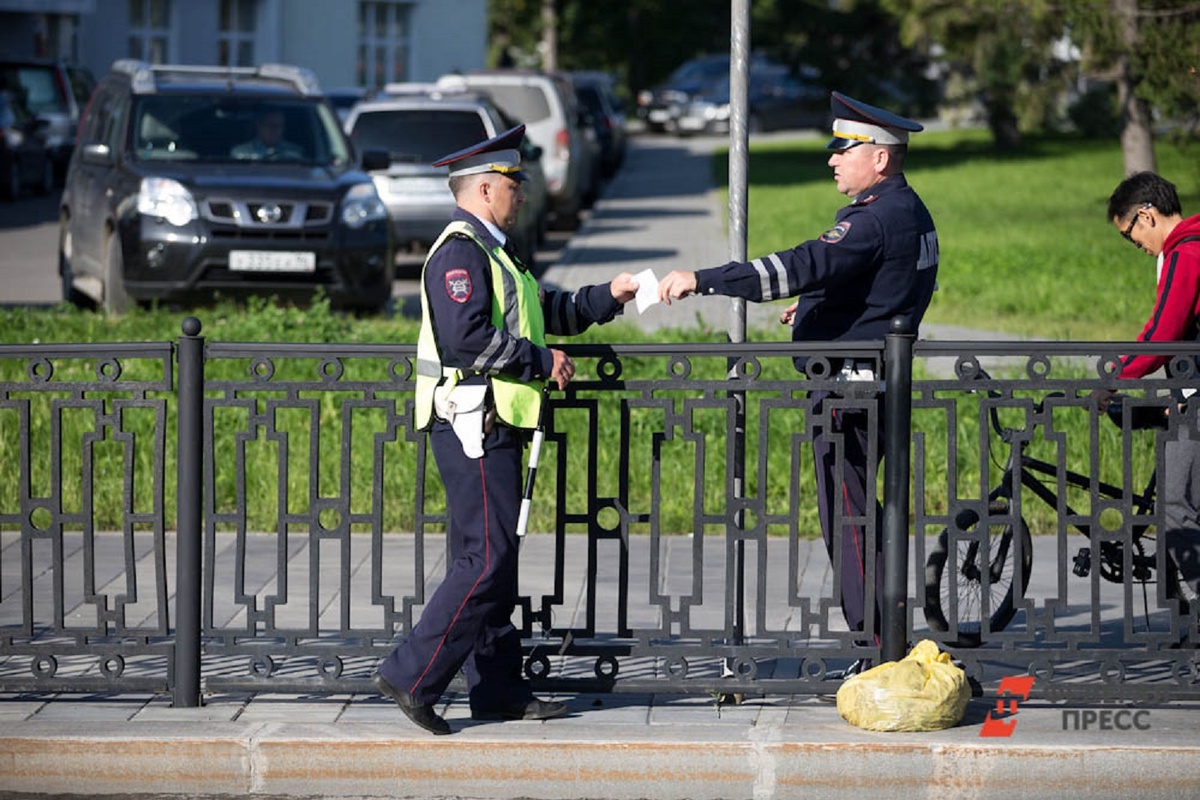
(260, 261)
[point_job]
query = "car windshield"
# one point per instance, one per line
(38, 89)
(699, 71)
(221, 128)
(417, 136)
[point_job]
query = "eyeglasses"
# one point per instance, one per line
(1127, 233)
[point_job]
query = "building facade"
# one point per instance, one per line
(345, 42)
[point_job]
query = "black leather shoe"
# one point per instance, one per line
(859, 666)
(420, 713)
(534, 709)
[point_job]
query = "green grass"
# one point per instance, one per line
(1025, 248)
(1025, 244)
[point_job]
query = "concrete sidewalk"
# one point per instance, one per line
(622, 746)
(660, 213)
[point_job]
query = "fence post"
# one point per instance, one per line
(897, 470)
(189, 456)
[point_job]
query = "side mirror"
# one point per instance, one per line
(376, 160)
(97, 153)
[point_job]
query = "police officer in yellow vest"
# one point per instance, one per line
(481, 362)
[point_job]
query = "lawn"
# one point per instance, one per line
(1025, 244)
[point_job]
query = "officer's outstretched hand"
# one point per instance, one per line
(563, 370)
(788, 315)
(624, 288)
(677, 284)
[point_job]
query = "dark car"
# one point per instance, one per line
(597, 94)
(660, 107)
(181, 187)
(55, 92)
(695, 98)
(25, 160)
(775, 100)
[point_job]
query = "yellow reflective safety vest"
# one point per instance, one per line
(516, 309)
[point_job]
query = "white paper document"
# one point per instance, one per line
(647, 293)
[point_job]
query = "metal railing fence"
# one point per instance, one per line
(676, 545)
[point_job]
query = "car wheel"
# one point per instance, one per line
(116, 301)
(47, 184)
(12, 186)
(566, 217)
(67, 275)
(755, 124)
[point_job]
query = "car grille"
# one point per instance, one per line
(266, 219)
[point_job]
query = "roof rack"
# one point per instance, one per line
(434, 91)
(144, 75)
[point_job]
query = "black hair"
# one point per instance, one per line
(1143, 188)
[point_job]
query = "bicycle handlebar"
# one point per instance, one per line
(1006, 434)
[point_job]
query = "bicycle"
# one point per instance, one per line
(1004, 590)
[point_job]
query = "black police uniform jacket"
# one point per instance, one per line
(458, 287)
(878, 261)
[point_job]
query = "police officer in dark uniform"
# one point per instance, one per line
(878, 261)
(482, 359)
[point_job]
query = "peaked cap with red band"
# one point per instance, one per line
(500, 154)
(856, 122)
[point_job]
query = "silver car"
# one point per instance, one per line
(417, 126)
(547, 104)
(56, 93)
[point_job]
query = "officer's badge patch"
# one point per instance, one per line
(458, 285)
(836, 233)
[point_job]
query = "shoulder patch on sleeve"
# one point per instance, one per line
(458, 285)
(836, 233)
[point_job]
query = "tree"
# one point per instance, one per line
(642, 41)
(1149, 50)
(1004, 47)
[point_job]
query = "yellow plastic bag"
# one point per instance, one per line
(923, 691)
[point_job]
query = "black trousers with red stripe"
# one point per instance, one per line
(467, 622)
(842, 453)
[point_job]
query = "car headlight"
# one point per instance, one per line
(166, 199)
(362, 205)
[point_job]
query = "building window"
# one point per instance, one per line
(384, 34)
(149, 30)
(235, 34)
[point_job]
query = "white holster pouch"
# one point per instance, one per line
(463, 408)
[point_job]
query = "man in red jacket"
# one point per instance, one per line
(1145, 208)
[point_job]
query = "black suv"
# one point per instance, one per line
(192, 180)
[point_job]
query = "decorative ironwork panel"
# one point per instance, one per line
(1038, 527)
(84, 548)
(313, 478)
(698, 593)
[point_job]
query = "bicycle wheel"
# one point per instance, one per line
(968, 586)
